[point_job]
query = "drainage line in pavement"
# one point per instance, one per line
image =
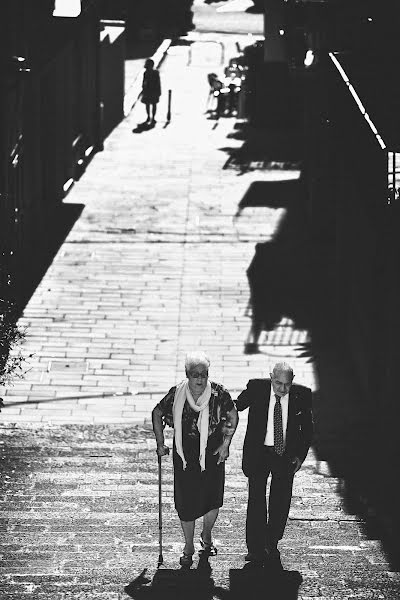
(58, 398)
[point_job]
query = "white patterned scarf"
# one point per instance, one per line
(182, 393)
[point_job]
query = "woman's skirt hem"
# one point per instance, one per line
(194, 516)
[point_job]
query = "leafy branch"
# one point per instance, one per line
(12, 336)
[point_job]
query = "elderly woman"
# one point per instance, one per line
(204, 419)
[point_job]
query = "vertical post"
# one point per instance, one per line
(169, 106)
(222, 52)
(95, 22)
(394, 173)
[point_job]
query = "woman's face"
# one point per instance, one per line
(198, 377)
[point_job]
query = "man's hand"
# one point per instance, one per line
(162, 450)
(223, 453)
(296, 464)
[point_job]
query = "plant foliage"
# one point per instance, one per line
(12, 360)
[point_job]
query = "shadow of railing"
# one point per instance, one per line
(279, 276)
(263, 149)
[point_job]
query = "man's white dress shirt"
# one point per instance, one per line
(269, 438)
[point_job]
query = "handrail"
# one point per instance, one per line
(357, 99)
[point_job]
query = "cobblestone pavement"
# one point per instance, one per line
(79, 506)
(155, 265)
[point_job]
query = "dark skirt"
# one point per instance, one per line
(150, 98)
(197, 492)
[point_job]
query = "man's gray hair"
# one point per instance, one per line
(197, 357)
(282, 366)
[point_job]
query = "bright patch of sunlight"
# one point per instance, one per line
(67, 8)
(284, 334)
(258, 223)
(235, 6)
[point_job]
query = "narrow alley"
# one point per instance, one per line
(156, 265)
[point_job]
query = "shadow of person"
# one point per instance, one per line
(138, 587)
(259, 582)
(176, 584)
(203, 565)
(145, 126)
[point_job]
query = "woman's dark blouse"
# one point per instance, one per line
(219, 406)
(197, 492)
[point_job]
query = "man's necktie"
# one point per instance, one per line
(278, 429)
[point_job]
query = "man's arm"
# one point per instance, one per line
(230, 425)
(228, 431)
(245, 398)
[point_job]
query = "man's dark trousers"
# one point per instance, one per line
(264, 527)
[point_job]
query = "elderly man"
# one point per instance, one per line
(278, 436)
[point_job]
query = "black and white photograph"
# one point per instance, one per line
(199, 299)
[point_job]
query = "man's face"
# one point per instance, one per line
(281, 382)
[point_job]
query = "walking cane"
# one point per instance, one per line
(166, 578)
(160, 556)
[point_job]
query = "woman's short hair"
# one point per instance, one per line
(197, 357)
(149, 62)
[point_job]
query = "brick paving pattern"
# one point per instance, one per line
(81, 521)
(156, 265)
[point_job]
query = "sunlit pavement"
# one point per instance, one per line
(156, 265)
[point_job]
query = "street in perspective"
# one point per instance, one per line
(190, 235)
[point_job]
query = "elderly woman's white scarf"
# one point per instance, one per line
(182, 394)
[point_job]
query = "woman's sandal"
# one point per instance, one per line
(186, 560)
(209, 549)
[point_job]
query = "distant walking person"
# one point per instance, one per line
(278, 436)
(151, 90)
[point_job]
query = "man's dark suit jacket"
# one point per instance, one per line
(299, 430)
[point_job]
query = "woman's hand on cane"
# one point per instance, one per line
(156, 416)
(162, 450)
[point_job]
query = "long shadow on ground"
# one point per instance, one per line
(169, 584)
(294, 276)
